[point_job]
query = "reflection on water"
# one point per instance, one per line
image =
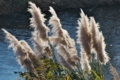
(108, 17)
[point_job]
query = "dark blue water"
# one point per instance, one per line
(18, 25)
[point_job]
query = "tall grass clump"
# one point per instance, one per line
(44, 63)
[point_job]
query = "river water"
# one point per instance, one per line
(18, 25)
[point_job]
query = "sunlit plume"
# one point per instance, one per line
(22, 54)
(64, 62)
(98, 43)
(61, 37)
(27, 48)
(100, 49)
(65, 54)
(37, 21)
(94, 31)
(84, 61)
(38, 44)
(84, 35)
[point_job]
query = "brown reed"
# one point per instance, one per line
(114, 73)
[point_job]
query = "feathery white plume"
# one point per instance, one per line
(14, 43)
(72, 60)
(64, 62)
(55, 22)
(37, 21)
(84, 61)
(38, 46)
(100, 49)
(84, 35)
(98, 43)
(60, 35)
(94, 31)
(23, 56)
(27, 48)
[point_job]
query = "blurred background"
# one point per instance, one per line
(15, 18)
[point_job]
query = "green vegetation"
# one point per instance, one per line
(55, 71)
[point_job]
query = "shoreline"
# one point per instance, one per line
(20, 6)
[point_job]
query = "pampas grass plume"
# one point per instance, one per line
(91, 39)
(23, 56)
(60, 35)
(37, 21)
(54, 22)
(98, 43)
(84, 61)
(84, 35)
(65, 54)
(100, 49)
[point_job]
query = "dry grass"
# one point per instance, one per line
(114, 73)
